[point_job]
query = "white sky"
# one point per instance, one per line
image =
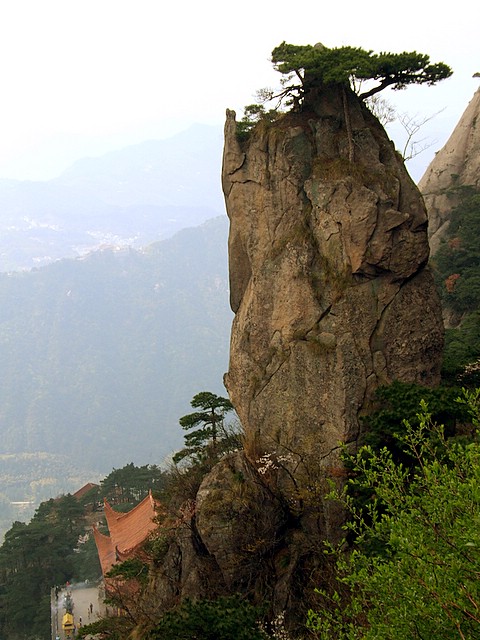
(83, 77)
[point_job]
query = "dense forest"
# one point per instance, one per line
(67, 330)
(98, 357)
(457, 268)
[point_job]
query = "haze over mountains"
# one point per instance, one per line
(133, 196)
(101, 354)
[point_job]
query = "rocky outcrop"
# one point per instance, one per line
(328, 278)
(239, 520)
(456, 164)
(332, 298)
(233, 538)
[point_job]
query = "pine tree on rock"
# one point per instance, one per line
(204, 423)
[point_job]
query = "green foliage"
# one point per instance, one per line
(425, 584)
(207, 424)
(33, 558)
(456, 266)
(319, 65)
(35, 477)
(252, 115)
(316, 66)
(53, 549)
(130, 484)
(131, 569)
(85, 562)
(70, 512)
(227, 618)
(113, 628)
(307, 68)
(126, 596)
(457, 261)
(398, 402)
(462, 352)
(386, 427)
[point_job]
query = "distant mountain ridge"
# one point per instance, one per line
(100, 356)
(130, 197)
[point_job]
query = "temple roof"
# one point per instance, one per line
(83, 490)
(105, 549)
(127, 532)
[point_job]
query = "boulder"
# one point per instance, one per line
(240, 521)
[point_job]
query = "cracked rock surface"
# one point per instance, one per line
(455, 165)
(332, 298)
(328, 277)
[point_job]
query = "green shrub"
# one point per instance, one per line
(226, 618)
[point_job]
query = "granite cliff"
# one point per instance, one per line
(328, 276)
(332, 297)
(456, 164)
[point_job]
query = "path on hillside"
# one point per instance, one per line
(82, 596)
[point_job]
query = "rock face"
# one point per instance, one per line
(332, 298)
(238, 520)
(231, 539)
(457, 164)
(328, 278)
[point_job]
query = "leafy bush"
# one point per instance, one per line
(398, 402)
(426, 582)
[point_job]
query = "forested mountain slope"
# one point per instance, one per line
(100, 356)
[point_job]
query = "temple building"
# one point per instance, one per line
(127, 532)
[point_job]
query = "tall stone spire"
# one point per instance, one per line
(328, 277)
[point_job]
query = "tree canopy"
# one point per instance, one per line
(33, 558)
(204, 424)
(131, 484)
(226, 618)
(307, 66)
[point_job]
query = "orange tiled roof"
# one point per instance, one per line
(83, 490)
(105, 549)
(127, 531)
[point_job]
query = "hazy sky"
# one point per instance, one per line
(82, 77)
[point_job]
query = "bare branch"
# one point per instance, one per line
(412, 126)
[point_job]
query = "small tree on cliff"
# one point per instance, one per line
(206, 422)
(306, 67)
